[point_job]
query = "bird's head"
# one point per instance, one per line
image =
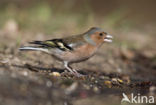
(97, 36)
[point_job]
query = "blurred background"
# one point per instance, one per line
(51, 15)
(132, 53)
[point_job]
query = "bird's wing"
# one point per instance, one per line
(74, 41)
(66, 44)
(54, 43)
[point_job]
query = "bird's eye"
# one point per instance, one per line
(101, 34)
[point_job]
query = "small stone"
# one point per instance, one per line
(104, 77)
(114, 80)
(56, 74)
(108, 83)
(96, 81)
(49, 83)
(92, 78)
(95, 89)
(25, 73)
(91, 85)
(120, 81)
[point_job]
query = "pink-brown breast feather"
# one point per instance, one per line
(79, 54)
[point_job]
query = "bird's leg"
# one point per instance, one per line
(68, 68)
(76, 72)
(73, 71)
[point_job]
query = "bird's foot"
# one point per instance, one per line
(77, 74)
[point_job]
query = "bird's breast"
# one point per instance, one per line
(78, 54)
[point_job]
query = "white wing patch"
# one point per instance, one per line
(71, 45)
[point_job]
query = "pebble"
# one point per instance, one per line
(56, 74)
(95, 89)
(49, 83)
(25, 73)
(108, 83)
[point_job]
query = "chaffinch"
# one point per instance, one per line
(72, 49)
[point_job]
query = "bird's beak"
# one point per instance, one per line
(108, 38)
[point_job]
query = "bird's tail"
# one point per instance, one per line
(33, 48)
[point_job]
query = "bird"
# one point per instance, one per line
(72, 49)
